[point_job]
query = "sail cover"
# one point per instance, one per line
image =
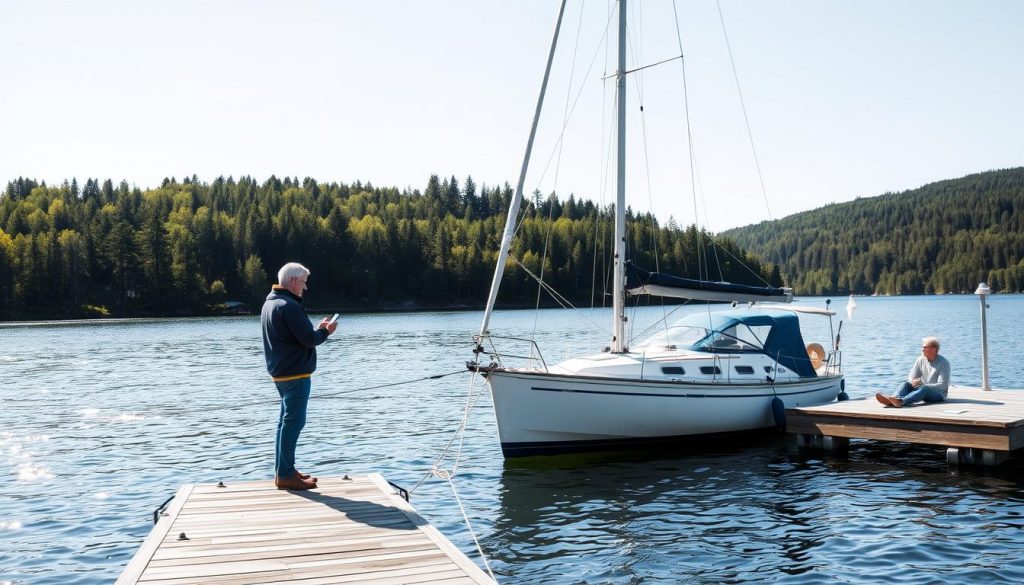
(641, 282)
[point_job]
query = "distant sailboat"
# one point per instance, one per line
(851, 306)
(710, 374)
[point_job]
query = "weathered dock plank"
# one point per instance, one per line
(989, 421)
(345, 531)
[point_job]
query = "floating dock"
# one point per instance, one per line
(978, 427)
(348, 530)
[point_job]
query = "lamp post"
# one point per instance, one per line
(982, 292)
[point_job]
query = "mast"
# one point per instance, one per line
(619, 275)
(513, 207)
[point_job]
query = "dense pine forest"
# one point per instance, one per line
(945, 237)
(191, 247)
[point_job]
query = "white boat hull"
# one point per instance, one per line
(540, 412)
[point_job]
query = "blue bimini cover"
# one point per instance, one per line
(784, 343)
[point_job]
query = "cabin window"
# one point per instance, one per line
(753, 335)
(737, 338)
(673, 370)
(710, 370)
(744, 370)
(768, 369)
(724, 342)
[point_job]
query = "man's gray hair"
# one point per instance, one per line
(289, 271)
(930, 342)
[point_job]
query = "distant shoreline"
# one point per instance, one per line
(327, 309)
(404, 308)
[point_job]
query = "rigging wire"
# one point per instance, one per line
(449, 475)
(707, 220)
(699, 191)
(561, 134)
(750, 133)
(604, 163)
(558, 166)
(659, 322)
(638, 81)
(701, 254)
(743, 106)
(544, 259)
(609, 235)
(701, 260)
(608, 239)
(558, 297)
(742, 263)
(703, 268)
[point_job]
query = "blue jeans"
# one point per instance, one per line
(910, 395)
(294, 397)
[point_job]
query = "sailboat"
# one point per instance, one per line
(711, 374)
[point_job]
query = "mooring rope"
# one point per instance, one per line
(379, 386)
(449, 475)
(479, 549)
(333, 395)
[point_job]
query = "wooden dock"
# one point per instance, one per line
(977, 426)
(346, 531)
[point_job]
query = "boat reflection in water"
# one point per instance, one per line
(752, 515)
(628, 516)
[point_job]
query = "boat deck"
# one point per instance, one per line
(977, 426)
(346, 531)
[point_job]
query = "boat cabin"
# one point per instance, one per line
(772, 333)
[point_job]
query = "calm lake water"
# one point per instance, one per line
(101, 422)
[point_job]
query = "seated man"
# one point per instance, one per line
(928, 379)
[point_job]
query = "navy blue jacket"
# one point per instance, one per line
(289, 339)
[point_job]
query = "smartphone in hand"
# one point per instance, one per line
(333, 319)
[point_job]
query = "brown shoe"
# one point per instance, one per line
(883, 399)
(896, 402)
(293, 483)
(304, 476)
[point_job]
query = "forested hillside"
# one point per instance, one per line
(941, 238)
(189, 246)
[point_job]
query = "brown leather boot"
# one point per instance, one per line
(305, 476)
(293, 483)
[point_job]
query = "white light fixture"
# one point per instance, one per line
(982, 292)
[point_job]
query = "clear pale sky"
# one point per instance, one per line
(845, 99)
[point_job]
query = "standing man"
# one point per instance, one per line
(289, 345)
(928, 379)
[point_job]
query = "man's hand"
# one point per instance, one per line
(328, 325)
(916, 382)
